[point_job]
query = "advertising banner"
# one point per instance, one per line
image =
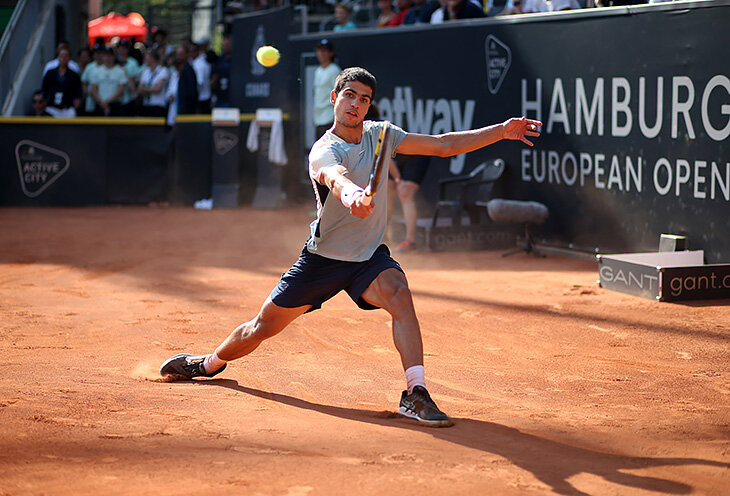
(52, 165)
(635, 104)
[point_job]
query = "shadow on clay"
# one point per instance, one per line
(550, 461)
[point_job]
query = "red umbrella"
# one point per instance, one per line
(114, 24)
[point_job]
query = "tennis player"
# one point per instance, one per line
(344, 250)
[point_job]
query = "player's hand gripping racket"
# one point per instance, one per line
(379, 163)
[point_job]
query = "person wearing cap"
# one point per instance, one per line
(324, 82)
(107, 85)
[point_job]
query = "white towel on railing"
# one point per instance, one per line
(277, 154)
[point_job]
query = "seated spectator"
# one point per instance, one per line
(107, 86)
(558, 5)
(89, 106)
(132, 70)
(502, 7)
(421, 11)
(462, 9)
(62, 87)
(386, 13)
(39, 104)
(403, 8)
(438, 15)
(342, 16)
(54, 63)
(151, 86)
(533, 6)
(221, 74)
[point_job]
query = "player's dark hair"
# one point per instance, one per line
(355, 74)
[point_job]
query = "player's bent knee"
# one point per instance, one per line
(397, 297)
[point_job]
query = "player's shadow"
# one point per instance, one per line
(551, 462)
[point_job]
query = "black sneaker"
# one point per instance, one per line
(187, 366)
(419, 405)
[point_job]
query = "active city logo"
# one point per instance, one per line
(499, 57)
(224, 141)
(39, 166)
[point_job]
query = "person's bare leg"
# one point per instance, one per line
(392, 193)
(407, 194)
(390, 292)
(271, 320)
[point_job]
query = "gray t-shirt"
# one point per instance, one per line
(336, 233)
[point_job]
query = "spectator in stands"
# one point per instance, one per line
(62, 87)
(532, 6)
(160, 43)
(84, 56)
(403, 7)
(132, 70)
(558, 5)
(39, 104)
(151, 86)
(221, 74)
(89, 104)
(324, 83)
(107, 86)
(386, 13)
(54, 63)
(186, 97)
(462, 9)
(342, 16)
(438, 15)
(421, 11)
(202, 73)
(171, 91)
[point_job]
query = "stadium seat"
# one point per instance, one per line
(468, 194)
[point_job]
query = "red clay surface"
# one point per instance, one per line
(556, 386)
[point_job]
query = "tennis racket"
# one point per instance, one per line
(379, 163)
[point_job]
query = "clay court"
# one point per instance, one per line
(556, 386)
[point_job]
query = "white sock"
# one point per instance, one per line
(415, 376)
(212, 363)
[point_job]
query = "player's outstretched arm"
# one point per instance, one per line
(350, 194)
(458, 142)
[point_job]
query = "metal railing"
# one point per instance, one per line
(26, 44)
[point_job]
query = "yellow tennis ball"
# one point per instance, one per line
(267, 56)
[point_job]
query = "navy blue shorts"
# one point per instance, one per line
(314, 279)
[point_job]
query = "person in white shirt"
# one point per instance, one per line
(324, 80)
(107, 86)
(152, 86)
(88, 75)
(202, 69)
(132, 70)
(52, 64)
(171, 91)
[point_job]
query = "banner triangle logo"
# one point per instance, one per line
(499, 58)
(39, 166)
(224, 141)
